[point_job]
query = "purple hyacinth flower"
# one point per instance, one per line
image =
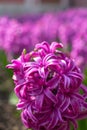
(48, 86)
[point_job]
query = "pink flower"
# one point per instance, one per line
(48, 86)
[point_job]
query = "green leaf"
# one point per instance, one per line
(82, 124)
(85, 77)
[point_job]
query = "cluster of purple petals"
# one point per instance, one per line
(15, 36)
(73, 31)
(48, 86)
(69, 27)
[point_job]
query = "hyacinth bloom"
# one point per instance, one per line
(14, 36)
(17, 37)
(3, 26)
(48, 86)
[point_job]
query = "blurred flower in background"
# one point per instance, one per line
(68, 26)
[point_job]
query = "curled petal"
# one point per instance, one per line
(39, 101)
(30, 114)
(65, 104)
(50, 95)
(55, 46)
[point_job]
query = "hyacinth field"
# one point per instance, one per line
(43, 79)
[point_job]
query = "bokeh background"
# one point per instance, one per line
(23, 23)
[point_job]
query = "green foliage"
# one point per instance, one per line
(82, 124)
(85, 77)
(3, 63)
(3, 58)
(13, 99)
